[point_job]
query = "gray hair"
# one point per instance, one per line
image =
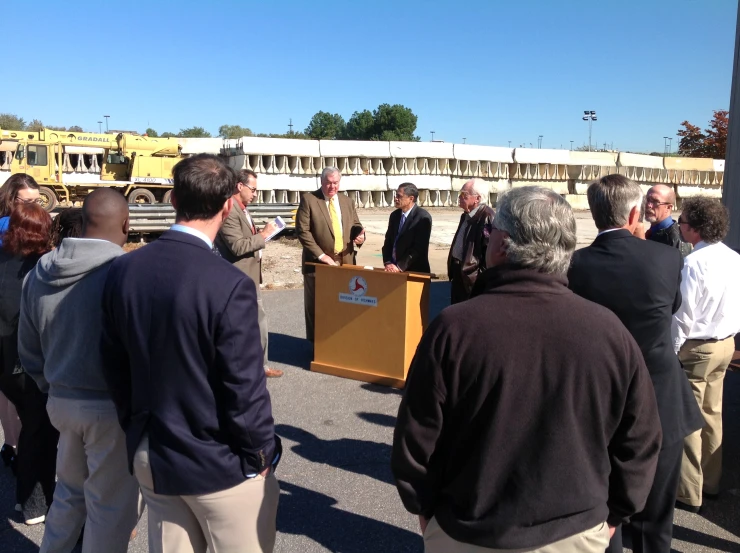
(611, 199)
(541, 229)
(409, 189)
(329, 171)
(480, 189)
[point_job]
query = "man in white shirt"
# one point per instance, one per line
(703, 332)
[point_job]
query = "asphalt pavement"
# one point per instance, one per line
(337, 489)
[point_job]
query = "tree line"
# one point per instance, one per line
(14, 123)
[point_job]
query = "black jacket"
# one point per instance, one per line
(183, 360)
(13, 270)
(639, 281)
(511, 439)
(412, 247)
(670, 236)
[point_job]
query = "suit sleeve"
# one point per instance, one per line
(303, 228)
(115, 360)
(678, 299)
(388, 243)
(233, 236)
(241, 393)
(419, 426)
(355, 220)
(634, 447)
(420, 246)
(29, 340)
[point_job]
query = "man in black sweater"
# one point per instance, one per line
(659, 205)
(639, 281)
(529, 419)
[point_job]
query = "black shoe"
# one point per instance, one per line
(696, 509)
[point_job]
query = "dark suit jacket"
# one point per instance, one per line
(183, 360)
(640, 282)
(412, 248)
(313, 226)
(239, 246)
(475, 243)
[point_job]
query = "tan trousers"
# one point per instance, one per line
(705, 363)
(309, 303)
(595, 540)
(238, 520)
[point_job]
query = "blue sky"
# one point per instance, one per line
(487, 70)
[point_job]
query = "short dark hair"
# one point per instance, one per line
(68, 224)
(706, 216)
(611, 199)
(409, 189)
(202, 184)
(9, 191)
(244, 175)
(29, 231)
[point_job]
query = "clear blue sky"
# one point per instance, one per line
(488, 70)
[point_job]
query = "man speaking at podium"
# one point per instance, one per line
(406, 246)
(329, 229)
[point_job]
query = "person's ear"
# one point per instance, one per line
(228, 204)
(634, 218)
(173, 200)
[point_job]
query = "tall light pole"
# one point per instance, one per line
(432, 135)
(539, 142)
(590, 116)
(464, 140)
(100, 127)
(665, 145)
(670, 145)
(509, 143)
(571, 144)
(106, 122)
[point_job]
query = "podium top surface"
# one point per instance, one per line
(374, 270)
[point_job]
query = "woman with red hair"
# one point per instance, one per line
(28, 238)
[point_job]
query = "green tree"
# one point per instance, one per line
(194, 132)
(361, 126)
(234, 131)
(12, 122)
(395, 122)
(75, 128)
(151, 133)
(35, 125)
(325, 126)
(168, 135)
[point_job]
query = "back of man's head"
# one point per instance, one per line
(541, 229)
(203, 183)
(105, 216)
(611, 200)
(706, 216)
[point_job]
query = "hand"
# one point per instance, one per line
(612, 530)
(423, 522)
(326, 259)
(391, 268)
(268, 230)
(265, 473)
(360, 239)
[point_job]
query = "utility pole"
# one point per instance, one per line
(432, 135)
(463, 140)
(100, 127)
(539, 142)
(509, 143)
(290, 126)
(590, 116)
(571, 145)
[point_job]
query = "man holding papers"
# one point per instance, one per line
(241, 245)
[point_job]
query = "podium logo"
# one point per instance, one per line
(357, 286)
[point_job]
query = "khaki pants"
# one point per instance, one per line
(705, 363)
(309, 303)
(94, 486)
(594, 540)
(237, 520)
(262, 322)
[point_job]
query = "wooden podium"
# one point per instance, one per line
(368, 322)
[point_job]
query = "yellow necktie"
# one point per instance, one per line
(336, 228)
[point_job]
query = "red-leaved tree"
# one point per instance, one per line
(710, 143)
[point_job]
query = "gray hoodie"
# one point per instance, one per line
(60, 325)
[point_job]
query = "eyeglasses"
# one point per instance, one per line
(657, 203)
(681, 222)
(38, 201)
(398, 196)
(253, 189)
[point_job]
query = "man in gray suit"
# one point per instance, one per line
(241, 245)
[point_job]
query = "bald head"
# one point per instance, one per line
(105, 216)
(660, 201)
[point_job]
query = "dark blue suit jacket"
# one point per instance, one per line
(183, 359)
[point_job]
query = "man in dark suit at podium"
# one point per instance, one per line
(639, 281)
(406, 246)
(328, 228)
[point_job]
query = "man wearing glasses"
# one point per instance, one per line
(467, 258)
(406, 246)
(661, 200)
(241, 245)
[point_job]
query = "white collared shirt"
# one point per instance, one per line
(193, 232)
(710, 307)
(335, 201)
(406, 213)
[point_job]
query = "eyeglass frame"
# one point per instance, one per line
(656, 203)
(252, 189)
(37, 201)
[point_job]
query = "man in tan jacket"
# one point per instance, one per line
(241, 245)
(329, 229)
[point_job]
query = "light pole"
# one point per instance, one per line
(509, 143)
(665, 145)
(464, 140)
(432, 135)
(670, 145)
(589, 116)
(100, 127)
(539, 142)
(571, 144)
(106, 122)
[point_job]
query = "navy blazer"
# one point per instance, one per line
(639, 281)
(184, 363)
(412, 246)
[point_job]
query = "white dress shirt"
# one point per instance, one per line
(710, 307)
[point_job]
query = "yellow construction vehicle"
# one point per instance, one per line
(69, 165)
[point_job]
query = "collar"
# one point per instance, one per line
(518, 279)
(406, 213)
(664, 224)
(336, 196)
(609, 230)
(474, 211)
(239, 202)
(701, 244)
(193, 232)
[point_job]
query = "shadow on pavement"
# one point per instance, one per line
(363, 457)
(290, 350)
(378, 389)
(378, 418)
(11, 540)
(314, 515)
(705, 540)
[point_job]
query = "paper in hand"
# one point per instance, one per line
(279, 226)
